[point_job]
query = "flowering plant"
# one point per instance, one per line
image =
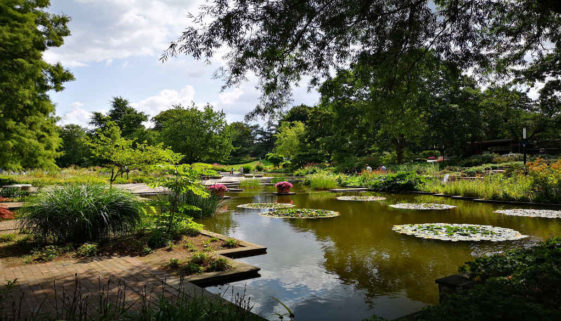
(218, 188)
(283, 187)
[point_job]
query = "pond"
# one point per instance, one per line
(354, 266)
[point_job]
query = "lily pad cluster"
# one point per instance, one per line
(459, 232)
(423, 206)
(302, 213)
(531, 213)
(265, 205)
(360, 198)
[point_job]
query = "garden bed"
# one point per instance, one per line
(423, 206)
(531, 213)
(300, 213)
(257, 206)
(459, 232)
(361, 198)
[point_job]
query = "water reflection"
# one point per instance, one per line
(353, 266)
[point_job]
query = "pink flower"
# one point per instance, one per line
(218, 188)
(283, 185)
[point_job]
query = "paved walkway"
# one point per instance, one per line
(41, 285)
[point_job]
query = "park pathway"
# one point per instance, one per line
(43, 285)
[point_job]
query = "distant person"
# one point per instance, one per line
(368, 169)
(383, 168)
(232, 171)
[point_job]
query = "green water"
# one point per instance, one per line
(354, 266)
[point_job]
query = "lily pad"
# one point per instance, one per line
(459, 232)
(422, 206)
(301, 213)
(257, 206)
(531, 213)
(359, 198)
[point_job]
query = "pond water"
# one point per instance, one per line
(354, 266)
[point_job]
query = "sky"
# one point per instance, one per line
(114, 50)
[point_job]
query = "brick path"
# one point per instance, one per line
(38, 281)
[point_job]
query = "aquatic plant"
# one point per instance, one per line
(302, 213)
(265, 205)
(459, 232)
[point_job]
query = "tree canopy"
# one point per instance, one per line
(198, 135)
(28, 134)
(282, 41)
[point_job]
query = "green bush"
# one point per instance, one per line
(13, 192)
(398, 182)
(259, 167)
(80, 213)
(247, 168)
(87, 250)
(523, 284)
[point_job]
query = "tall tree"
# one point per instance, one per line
(289, 138)
(75, 149)
(242, 141)
(28, 133)
(128, 119)
(198, 135)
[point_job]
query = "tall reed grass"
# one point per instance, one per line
(495, 187)
(322, 180)
(252, 183)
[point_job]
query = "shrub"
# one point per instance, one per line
(523, 284)
(46, 254)
(9, 237)
(247, 168)
(231, 243)
(259, 167)
(219, 264)
(80, 213)
(87, 250)
(546, 179)
(398, 182)
(158, 239)
(173, 263)
(13, 193)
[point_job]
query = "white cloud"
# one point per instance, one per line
(165, 99)
(77, 115)
(103, 30)
(230, 97)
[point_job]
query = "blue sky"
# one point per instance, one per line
(114, 50)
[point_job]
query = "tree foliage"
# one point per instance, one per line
(198, 135)
(74, 149)
(288, 138)
(129, 120)
(118, 154)
(28, 132)
(282, 41)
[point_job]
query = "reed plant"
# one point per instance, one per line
(495, 187)
(252, 183)
(322, 180)
(80, 213)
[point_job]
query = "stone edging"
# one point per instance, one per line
(239, 270)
